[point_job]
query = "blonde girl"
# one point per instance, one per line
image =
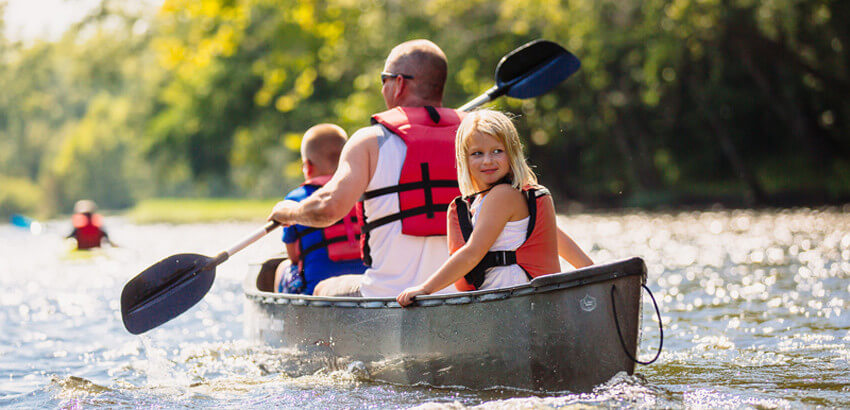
(492, 169)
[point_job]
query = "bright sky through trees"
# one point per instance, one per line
(48, 19)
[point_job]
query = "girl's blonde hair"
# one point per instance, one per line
(499, 126)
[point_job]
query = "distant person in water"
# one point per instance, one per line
(316, 254)
(88, 226)
(502, 231)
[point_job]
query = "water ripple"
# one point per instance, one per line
(754, 307)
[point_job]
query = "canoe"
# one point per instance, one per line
(556, 333)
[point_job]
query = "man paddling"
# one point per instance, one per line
(403, 166)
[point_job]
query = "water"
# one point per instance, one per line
(754, 307)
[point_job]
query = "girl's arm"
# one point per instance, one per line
(570, 251)
(502, 202)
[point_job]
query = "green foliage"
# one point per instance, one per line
(96, 159)
(173, 210)
(211, 96)
(19, 195)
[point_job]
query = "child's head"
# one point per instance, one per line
(320, 149)
(498, 126)
(85, 206)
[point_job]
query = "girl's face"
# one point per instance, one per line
(487, 160)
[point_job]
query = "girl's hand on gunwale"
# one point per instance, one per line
(406, 297)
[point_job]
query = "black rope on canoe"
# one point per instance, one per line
(620, 334)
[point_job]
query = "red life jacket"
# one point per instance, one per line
(537, 256)
(342, 238)
(87, 230)
(428, 180)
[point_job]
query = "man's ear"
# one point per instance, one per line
(400, 87)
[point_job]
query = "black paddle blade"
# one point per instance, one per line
(165, 290)
(535, 68)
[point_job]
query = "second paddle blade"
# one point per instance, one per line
(535, 68)
(165, 290)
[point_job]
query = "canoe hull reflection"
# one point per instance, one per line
(556, 333)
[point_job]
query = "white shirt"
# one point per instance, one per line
(398, 261)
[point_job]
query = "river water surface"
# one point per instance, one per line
(754, 307)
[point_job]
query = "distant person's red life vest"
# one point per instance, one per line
(87, 230)
(342, 238)
(537, 256)
(428, 180)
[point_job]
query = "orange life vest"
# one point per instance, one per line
(428, 180)
(537, 256)
(342, 238)
(87, 230)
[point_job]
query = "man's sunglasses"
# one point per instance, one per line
(386, 76)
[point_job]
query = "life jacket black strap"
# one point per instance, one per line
(407, 213)
(426, 179)
(426, 184)
(463, 218)
(365, 250)
(531, 201)
(300, 233)
(323, 244)
(475, 277)
(410, 186)
(432, 112)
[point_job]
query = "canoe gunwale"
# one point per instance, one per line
(542, 284)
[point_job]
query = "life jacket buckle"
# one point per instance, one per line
(504, 258)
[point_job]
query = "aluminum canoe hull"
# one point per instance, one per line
(556, 333)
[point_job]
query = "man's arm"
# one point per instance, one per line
(336, 198)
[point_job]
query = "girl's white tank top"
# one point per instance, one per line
(512, 236)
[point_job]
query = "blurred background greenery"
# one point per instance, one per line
(678, 102)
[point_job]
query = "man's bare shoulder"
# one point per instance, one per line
(359, 155)
(366, 135)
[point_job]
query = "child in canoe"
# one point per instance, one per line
(502, 232)
(316, 254)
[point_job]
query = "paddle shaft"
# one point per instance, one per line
(253, 237)
(494, 92)
(489, 95)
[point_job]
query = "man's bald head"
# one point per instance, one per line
(321, 146)
(426, 62)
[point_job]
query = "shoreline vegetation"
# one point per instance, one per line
(199, 210)
(184, 210)
(682, 103)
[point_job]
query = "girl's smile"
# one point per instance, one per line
(487, 160)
